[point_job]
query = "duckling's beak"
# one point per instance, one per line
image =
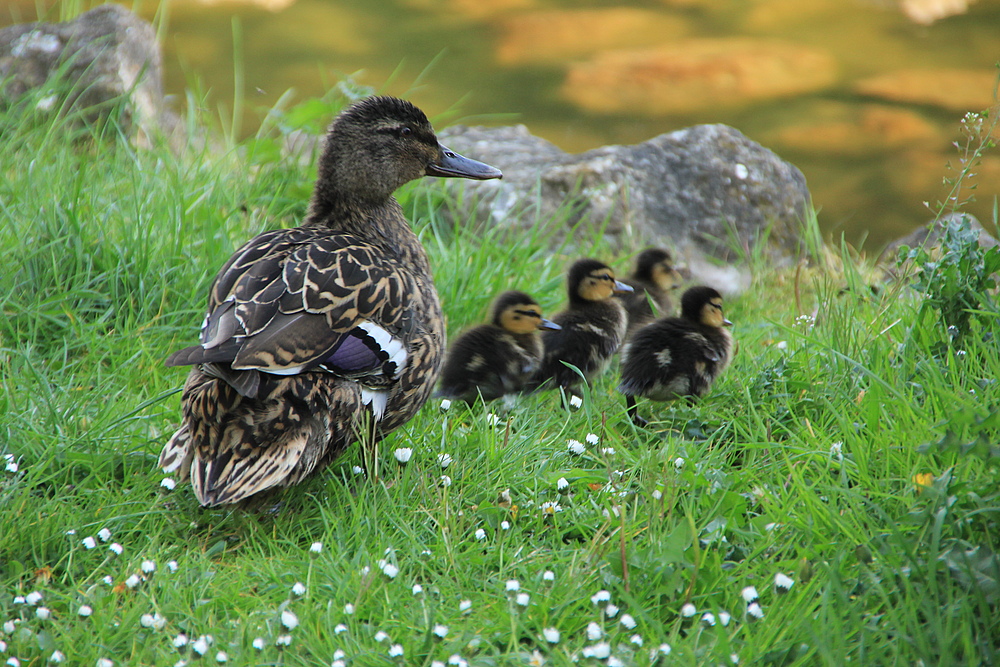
(453, 165)
(726, 323)
(622, 287)
(548, 324)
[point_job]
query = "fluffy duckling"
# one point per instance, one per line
(496, 359)
(592, 327)
(653, 279)
(677, 356)
(323, 334)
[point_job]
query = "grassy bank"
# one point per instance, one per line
(804, 461)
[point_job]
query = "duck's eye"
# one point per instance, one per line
(405, 131)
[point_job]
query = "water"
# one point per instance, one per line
(799, 76)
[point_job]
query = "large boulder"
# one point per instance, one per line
(699, 189)
(106, 59)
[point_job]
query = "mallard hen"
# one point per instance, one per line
(323, 334)
(592, 328)
(496, 359)
(677, 356)
(653, 279)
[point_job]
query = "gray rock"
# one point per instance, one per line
(88, 65)
(698, 189)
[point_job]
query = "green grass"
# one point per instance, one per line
(108, 253)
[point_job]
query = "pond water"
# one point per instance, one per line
(863, 98)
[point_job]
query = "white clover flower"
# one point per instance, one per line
(628, 622)
(749, 594)
(390, 570)
(523, 599)
(172, 565)
(348, 608)
(316, 548)
(133, 581)
(339, 629)
(89, 542)
(168, 483)
(181, 640)
(418, 589)
(562, 484)
(445, 481)
(782, 583)
(85, 610)
(708, 619)
(104, 534)
(289, 619)
(594, 631)
(259, 643)
(444, 460)
(298, 589)
(512, 585)
(480, 534)
(505, 525)
(116, 548)
(611, 610)
(600, 597)
(396, 651)
(688, 610)
(445, 405)
(221, 656)
(599, 651)
(755, 611)
(575, 447)
(551, 635)
(381, 636)
(283, 640)
(440, 631)
(575, 402)
(148, 566)
(403, 455)
(43, 613)
(57, 656)
(465, 606)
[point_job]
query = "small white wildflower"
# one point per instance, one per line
(608, 451)
(172, 565)
(600, 597)
(9, 627)
(688, 610)
(782, 583)
(381, 636)
(480, 534)
(71, 531)
(348, 608)
(57, 656)
(116, 548)
(11, 465)
(782, 345)
(289, 619)
(43, 613)
(148, 566)
(200, 646)
(440, 631)
(755, 611)
(551, 635)
(749, 594)
(444, 460)
(837, 451)
(615, 662)
(445, 405)
(14, 662)
(181, 640)
(594, 631)
(513, 585)
(493, 420)
(133, 581)
(168, 483)
(221, 657)
(396, 651)
(548, 575)
(575, 447)
(316, 548)
(550, 507)
(298, 589)
(104, 662)
(611, 610)
(104, 534)
(724, 618)
(636, 639)
(89, 542)
(339, 629)
(708, 619)
(593, 439)
(678, 463)
(733, 658)
(259, 643)
(657, 494)
(599, 651)
(628, 622)
(283, 640)
(19, 599)
(664, 649)
(390, 570)
(618, 474)
(357, 470)
(445, 481)
(418, 589)
(108, 580)
(505, 525)
(365, 571)
(33, 598)
(403, 455)
(457, 660)
(523, 599)
(575, 402)
(562, 484)
(465, 606)
(146, 620)
(339, 654)
(85, 610)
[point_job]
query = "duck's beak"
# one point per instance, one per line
(453, 165)
(726, 323)
(622, 287)
(548, 324)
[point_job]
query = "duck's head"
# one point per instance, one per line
(518, 313)
(656, 266)
(704, 305)
(592, 280)
(378, 144)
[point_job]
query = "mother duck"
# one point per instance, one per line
(323, 334)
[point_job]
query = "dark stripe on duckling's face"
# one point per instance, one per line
(450, 164)
(711, 314)
(600, 284)
(524, 319)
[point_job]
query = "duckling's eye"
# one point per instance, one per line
(405, 131)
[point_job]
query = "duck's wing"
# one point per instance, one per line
(301, 299)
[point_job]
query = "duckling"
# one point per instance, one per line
(653, 278)
(677, 356)
(496, 359)
(592, 328)
(323, 334)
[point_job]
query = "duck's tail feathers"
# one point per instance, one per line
(175, 459)
(237, 473)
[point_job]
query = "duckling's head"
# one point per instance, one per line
(592, 280)
(518, 313)
(378, 144)
(655, 265)
(704, 305)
